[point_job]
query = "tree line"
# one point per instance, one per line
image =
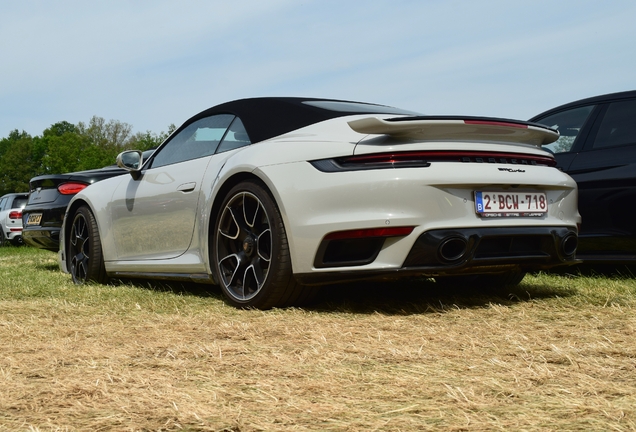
(65, 147)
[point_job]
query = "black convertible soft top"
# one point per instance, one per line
(268, 117)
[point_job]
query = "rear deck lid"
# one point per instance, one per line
(44, 188)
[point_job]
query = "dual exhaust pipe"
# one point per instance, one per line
(455, 248)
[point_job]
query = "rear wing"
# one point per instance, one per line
(434, 128)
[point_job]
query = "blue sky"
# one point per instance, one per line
(155, 63)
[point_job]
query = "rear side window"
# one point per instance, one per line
(569, 123)
(235, 137)
(618, 127)
(19, 202)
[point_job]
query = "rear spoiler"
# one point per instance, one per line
(454, 128)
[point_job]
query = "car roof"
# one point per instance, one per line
(268, 117)
(590, 101)
(14, 194)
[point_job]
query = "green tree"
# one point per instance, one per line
(65, 147)
(110, 135)
(17, 164)
(148, 140)
(64, 153)
(58, 148)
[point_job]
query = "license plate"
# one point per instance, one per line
(34, 219)
(510, 204)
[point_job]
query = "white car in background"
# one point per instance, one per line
(11, 206)
(271, 197)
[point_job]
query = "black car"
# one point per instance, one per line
(50, 194)
(597, 148)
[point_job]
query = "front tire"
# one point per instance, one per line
(249, 250)
(85, 258)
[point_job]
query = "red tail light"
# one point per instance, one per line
(370, 232)
(452, 156)
(71, 188)
(15, 214)
(423, 159)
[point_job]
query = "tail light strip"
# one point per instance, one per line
(414, 159)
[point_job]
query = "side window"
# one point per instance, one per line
(196, 140)
(618, 126)
(236, 137)
(2, 202)
(19, 202)
(569, 124)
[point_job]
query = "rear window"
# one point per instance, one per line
(19, 202)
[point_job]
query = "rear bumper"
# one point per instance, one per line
(466, 251)
(42, 237)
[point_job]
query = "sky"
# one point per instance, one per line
(153, 63)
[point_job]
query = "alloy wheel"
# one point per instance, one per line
(79, 248)
(244, 246)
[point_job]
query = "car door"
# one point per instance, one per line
(605, 171)
(154, 217)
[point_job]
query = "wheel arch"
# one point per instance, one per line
(222, 191)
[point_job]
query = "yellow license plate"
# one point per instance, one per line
(34, 219)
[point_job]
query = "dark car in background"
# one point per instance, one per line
(50, 194)
(11, 218)
(597, 148)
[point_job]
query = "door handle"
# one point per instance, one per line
(187, 187)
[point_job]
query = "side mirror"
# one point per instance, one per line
(131, 161)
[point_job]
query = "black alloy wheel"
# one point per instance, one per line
(250, 254)
(84, 255)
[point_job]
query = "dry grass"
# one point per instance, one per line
(558, 353)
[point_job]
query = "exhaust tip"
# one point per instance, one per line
(452, 249)
(569, 244)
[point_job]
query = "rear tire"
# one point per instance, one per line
(2, 239)
(85, 258)
(249, 251)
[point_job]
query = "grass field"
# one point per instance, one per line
(556, 353)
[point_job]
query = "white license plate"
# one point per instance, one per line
(34, 219)
(511, 204)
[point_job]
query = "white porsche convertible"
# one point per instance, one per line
(271, 197)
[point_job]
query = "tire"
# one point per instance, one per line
(3, 240)
(85, 258)
(486, 281)
(249, 251)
